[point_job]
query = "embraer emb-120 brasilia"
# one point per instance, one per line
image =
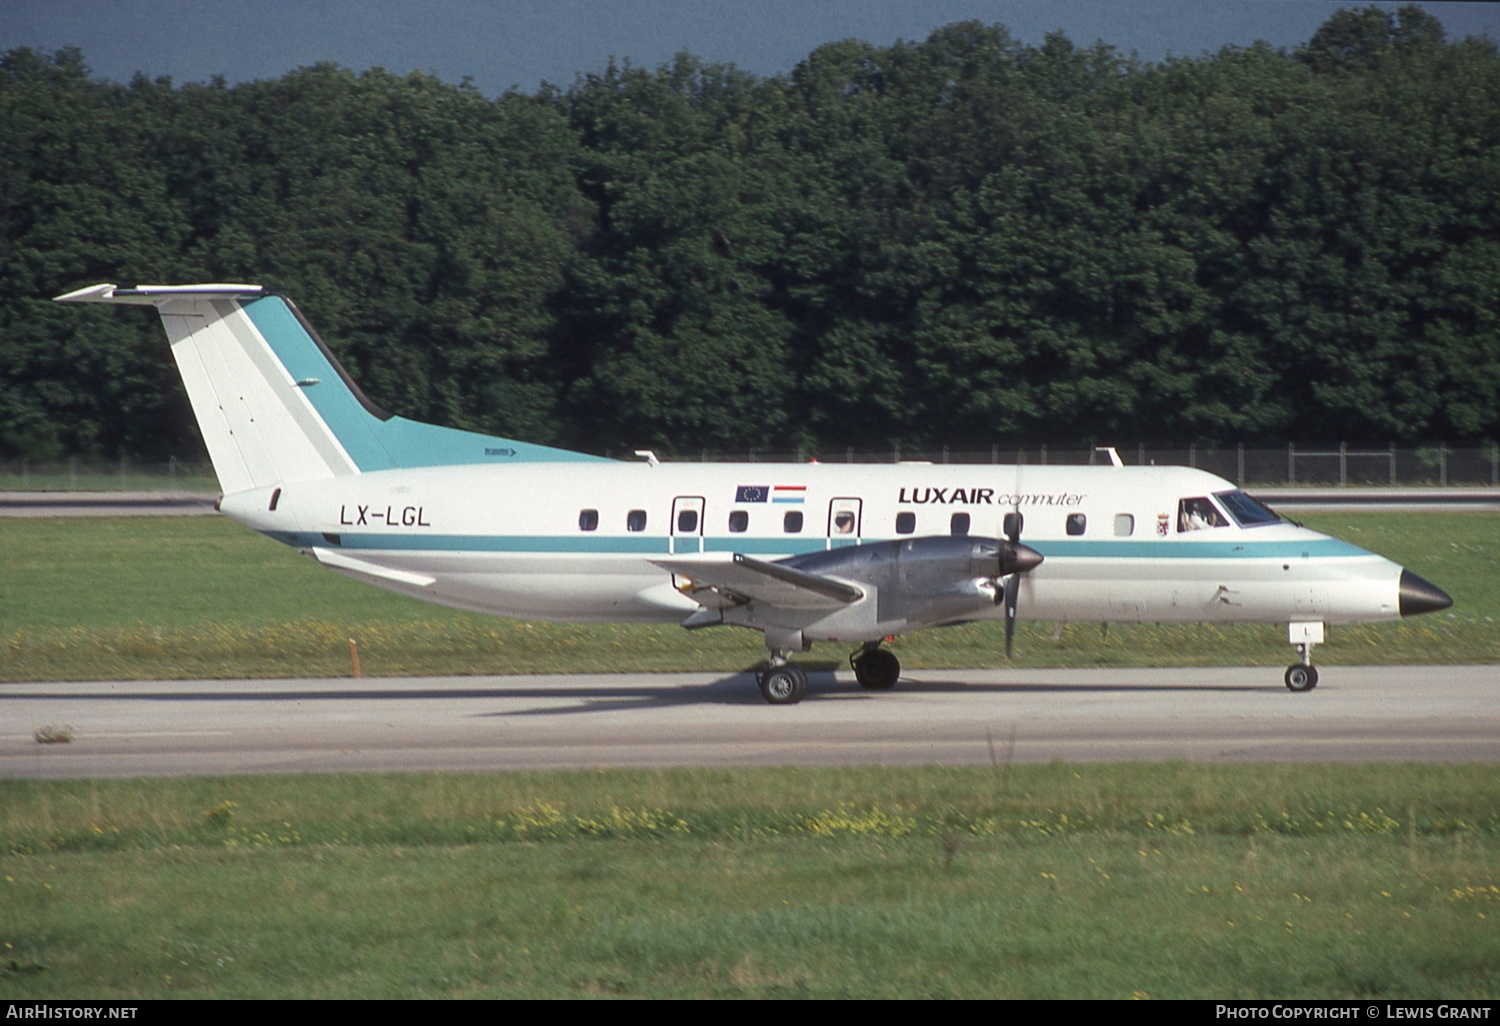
(803, 553)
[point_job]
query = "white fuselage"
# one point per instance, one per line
(576, 541)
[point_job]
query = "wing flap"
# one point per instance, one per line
(732, 579)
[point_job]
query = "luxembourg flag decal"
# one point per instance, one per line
(794, 494)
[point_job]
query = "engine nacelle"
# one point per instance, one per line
(926, 580)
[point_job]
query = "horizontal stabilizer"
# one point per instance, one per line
(156, 295)
(727, 579)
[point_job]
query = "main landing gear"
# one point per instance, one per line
(875, 668)
(782, 683)
(1303, 676)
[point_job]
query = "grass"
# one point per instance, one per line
(1164, 881)
(147, 598)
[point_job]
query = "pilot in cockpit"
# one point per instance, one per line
(1197, 515)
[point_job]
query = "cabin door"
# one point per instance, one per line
(844, 522)
(687, 524)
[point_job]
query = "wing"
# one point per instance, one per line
(720, 580)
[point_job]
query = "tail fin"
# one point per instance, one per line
(273, 403)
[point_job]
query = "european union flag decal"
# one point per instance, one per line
(751, 493)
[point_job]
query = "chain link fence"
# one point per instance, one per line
(1435, 465)
(82, 475)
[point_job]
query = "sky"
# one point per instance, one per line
(503, 44)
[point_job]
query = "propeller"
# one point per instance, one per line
(1015, 560)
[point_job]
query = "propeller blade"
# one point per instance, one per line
(1015, 560)
(1012, 586)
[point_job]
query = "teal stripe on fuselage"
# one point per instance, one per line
(372, 443)
(1170, 549)
(658, 544)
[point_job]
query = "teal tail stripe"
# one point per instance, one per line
(374, 442)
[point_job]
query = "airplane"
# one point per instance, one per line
(802, 552)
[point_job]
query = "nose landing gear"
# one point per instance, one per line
(1303, 676)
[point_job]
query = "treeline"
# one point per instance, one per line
(958, 241)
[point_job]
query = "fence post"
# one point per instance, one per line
(73, 472)
(1443, 463)
(994, 454)
(1193, 455)
(1343, 464)
(1240, 463)
(1393, 464)
(1044, 454)
(1291, 463)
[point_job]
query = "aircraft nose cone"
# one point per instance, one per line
(1419, 596)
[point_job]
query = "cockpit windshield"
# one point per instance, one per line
(1246, 511)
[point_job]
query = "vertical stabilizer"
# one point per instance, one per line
(273, 403)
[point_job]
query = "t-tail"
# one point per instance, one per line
(272, 401)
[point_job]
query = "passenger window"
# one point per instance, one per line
(687, 521)
(1077, 523)
(906, 523)
(1124, 525)
(739, 521)
(958, 524)
(792, 522)
(588, 520)
(1013, 524)
(635, 520)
